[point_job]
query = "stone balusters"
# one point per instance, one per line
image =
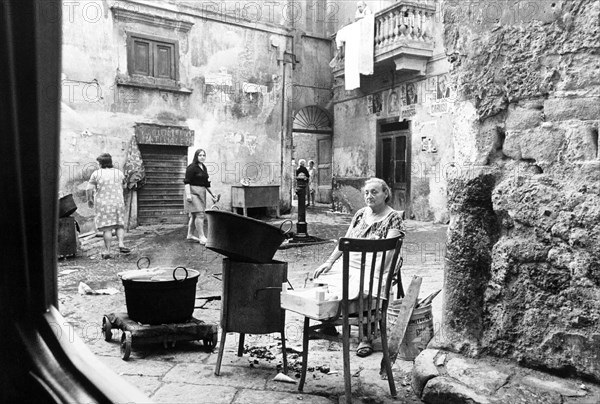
(403, 25)
(403, 22)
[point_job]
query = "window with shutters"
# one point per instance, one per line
(152, 57)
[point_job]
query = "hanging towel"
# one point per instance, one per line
(367, 44)
(349, 38)
(357, 39)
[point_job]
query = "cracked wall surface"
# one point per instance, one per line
(530, 92)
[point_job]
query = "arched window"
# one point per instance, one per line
(312, 119)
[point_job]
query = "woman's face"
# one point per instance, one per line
(374, 195)
(201, 156)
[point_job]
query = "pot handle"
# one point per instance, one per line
(288, 230)
(216, 207)
(186, 274)
(139, 265)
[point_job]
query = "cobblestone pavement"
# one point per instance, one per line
(185, 373)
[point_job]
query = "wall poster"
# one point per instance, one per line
(393, 105)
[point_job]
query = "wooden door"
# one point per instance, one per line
(393, 164)
(324, 186)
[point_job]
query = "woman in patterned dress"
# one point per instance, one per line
(375, 221)
(105, 194)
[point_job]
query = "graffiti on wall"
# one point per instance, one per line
(242, 139)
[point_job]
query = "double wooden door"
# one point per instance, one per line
(393, 165)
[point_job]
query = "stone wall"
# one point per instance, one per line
(529, 87)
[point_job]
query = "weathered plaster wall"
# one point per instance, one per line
(529, 115)
(241, 131)
(355, 141)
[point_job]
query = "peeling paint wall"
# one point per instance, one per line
(232, 88)
(431, 128)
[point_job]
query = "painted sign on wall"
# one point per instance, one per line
(164, 135)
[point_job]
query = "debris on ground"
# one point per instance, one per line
(260, 352)
(323, 369)
(84, 289)
(283, 378)
(67, 271)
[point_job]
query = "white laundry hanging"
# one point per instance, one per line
(357, 39)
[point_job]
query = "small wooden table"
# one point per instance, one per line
(256, 196)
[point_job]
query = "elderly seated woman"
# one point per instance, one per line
(375, 221)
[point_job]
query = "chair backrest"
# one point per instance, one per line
(372, 306)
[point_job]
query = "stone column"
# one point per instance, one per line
(472, 232)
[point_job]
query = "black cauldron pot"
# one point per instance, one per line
(166, 296)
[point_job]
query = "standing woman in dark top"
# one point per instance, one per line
(196, 184)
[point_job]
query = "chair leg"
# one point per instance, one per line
(346, 354)
(386, 360)
(283, 348)
(221, 350)
(241, 345)
(305, 335)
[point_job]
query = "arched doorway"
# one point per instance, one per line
(312, 134)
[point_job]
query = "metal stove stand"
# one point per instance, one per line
(136, 333)
(251, 302)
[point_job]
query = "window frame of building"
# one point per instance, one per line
(43, 359)
(154, 43)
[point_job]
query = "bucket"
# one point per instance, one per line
(418, 332)
(66, 206)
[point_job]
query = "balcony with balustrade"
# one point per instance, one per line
(403, 38)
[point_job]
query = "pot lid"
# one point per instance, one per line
(159, 274)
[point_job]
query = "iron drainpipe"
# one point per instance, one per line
(283, 126)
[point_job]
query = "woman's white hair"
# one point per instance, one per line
(384, 186)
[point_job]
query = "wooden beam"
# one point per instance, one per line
(405, 312)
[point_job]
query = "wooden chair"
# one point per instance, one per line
(368, 312)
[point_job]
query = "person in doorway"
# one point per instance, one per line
(196, 186)
(302, 172)
(312, 183)
(302, 169)
(377, 220)
(105, 193)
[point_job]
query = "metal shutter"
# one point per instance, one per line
(161, 199)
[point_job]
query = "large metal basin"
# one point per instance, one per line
(242, 238)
